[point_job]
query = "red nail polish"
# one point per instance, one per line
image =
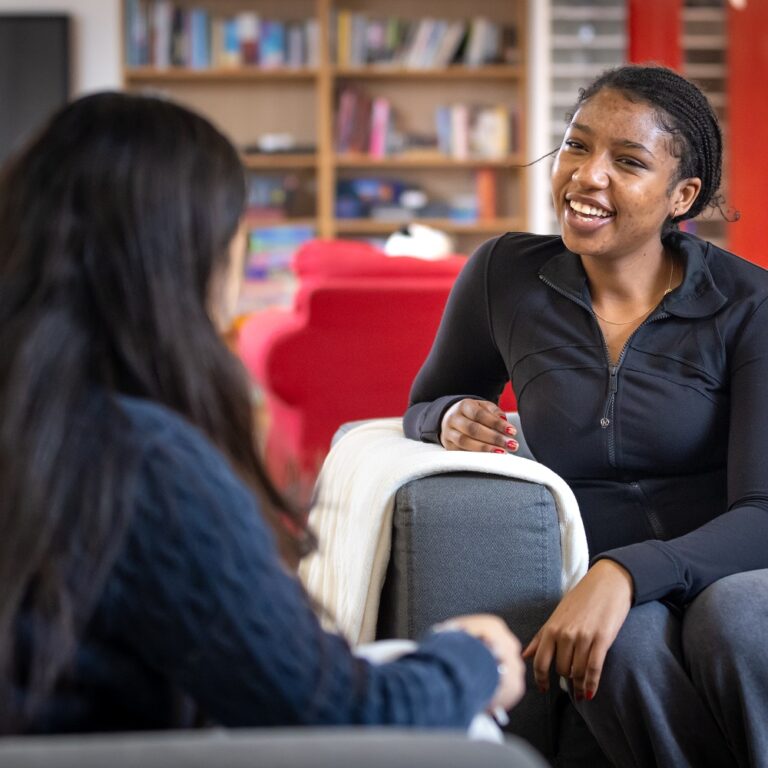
(511, 431)
(513, 445)
(498, 450)
(589, 695)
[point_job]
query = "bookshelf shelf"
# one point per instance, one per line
(373, 226)
(425, 161)
(279, 160)
(299, 95)
(140, 75)
(461, 72)
(291, 221)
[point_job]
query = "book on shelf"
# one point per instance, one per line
(490, 133)
(230, 48)
(483, 42)
(161, 34)
(277, 196)
(353, 121)
(179, 42)
(427, 43)
(463, 131)
(199, 39)
(381, 126)
(269, 279)
(273, 53)
(486, 192)
(271, 249)
(459, 127)
(466, 131)
(136, 32)
(247, 24)
(162, 22)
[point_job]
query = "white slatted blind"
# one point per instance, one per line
(586, 38)
(703, 43)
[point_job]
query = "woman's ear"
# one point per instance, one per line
(684, 195)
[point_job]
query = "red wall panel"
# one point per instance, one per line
(654, 32)
(748, 129)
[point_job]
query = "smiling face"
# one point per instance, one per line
(612, 180)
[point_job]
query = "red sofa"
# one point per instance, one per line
(360, 327)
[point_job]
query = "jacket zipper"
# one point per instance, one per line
(613, 369)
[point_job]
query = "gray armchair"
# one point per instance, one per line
(464, 542)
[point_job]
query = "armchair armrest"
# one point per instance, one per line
(468, 543)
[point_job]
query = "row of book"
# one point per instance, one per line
(397, 201)
(424, 43)
(271, 249)
(160, 33)
(279, 196)
(269, 279)
(366, 125)
(467, 131)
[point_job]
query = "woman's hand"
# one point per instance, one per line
(505, 647)
(477, 425)
(582, 628)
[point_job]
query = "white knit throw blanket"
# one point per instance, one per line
(352, 515)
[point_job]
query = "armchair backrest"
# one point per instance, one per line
(361, 325)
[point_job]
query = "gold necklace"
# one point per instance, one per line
(635, 319)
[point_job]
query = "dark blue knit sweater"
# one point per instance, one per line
(199, 615)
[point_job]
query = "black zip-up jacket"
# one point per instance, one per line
(667, 451)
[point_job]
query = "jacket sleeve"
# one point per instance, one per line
(200, 596)
(737, 540)
(464, 360)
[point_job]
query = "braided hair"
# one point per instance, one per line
(682, 111)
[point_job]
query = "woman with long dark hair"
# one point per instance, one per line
(140, 585)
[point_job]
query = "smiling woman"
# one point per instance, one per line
(638, 357)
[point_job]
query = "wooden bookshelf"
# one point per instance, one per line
(302, 100)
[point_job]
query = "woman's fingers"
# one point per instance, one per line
(581, 661)
(577, 636)
(477, 425)
(594, 668)
(542, 662)
(564, 655)
(505, 647)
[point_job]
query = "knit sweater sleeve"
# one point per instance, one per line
(199, 594)
(464, 360)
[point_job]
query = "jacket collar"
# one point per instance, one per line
(696, 296)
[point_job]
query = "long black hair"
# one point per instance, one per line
(115, 223)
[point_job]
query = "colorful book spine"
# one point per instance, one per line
(231, 55)
(459, 131)
(485, 190)
(380, 127)
(248, 35)
(344, 38)
(272, 46)
(200, 49)
(162, 20)
(136, 34)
